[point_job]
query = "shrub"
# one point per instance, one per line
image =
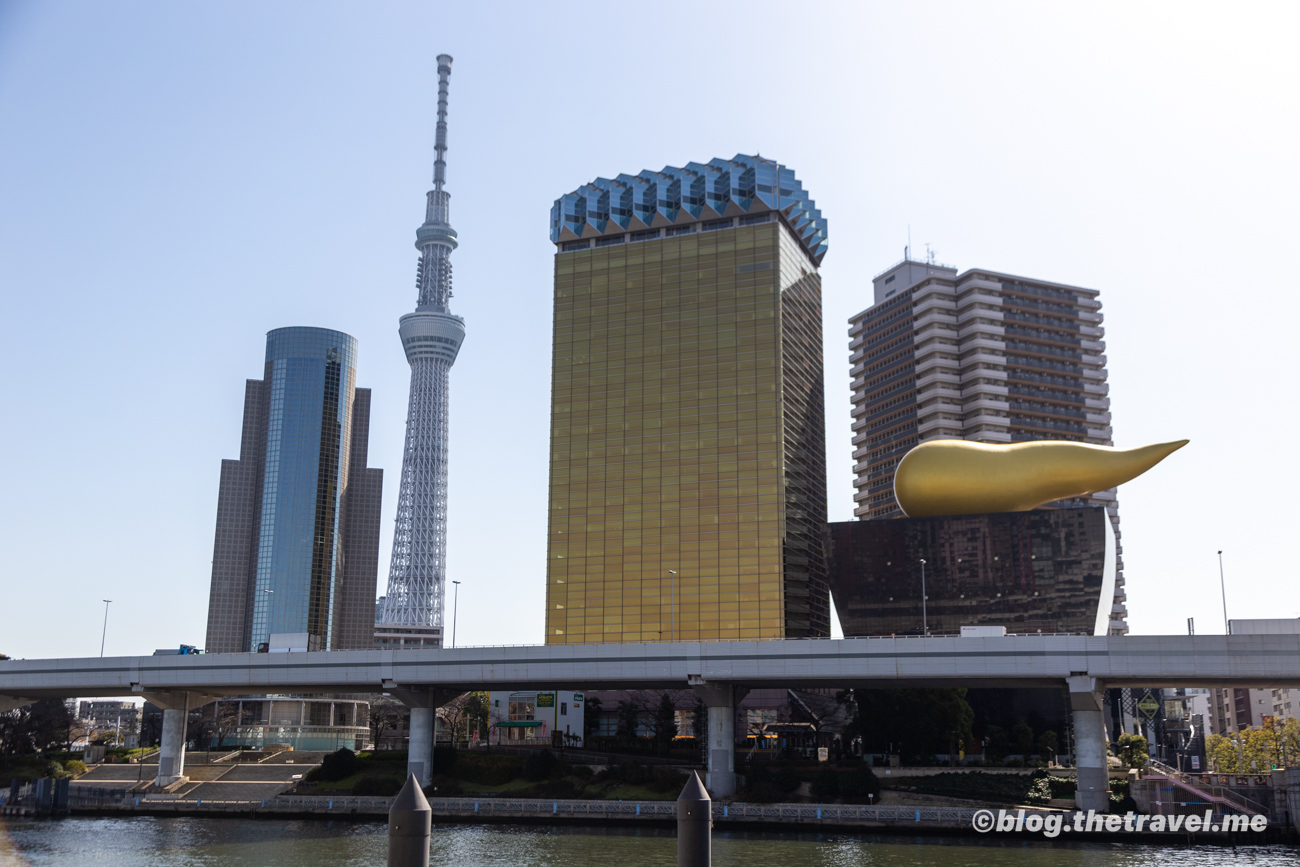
(826, 785)
(74, 766)
(760, 785)
(489, 770)
(376, 785)
(53, 769)
(857, 784)
(666, 779)
(787, 779)
(339, 764)
(583, 772)
(539, 766)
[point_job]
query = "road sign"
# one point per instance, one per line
(1148, 706)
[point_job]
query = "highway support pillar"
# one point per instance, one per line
(720, 699)
(176, 707)
(1090, 744)
(422, 732)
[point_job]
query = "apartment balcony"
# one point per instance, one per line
(1097, 404)
(940, 425)
(985, 357)
(937, 363)
(981, 337)
(984, 389)
(1097, 388)
(1100, 433)
(972, 315)
(1100, 418)
(994, 287)
(980, 371)
(988, 435)
(936, 375)
(936, 309)
(1093, 345)
(1094, 374)
(987, 404)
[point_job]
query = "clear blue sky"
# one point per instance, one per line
(178, 178)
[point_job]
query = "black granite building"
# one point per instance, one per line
(1046, 570)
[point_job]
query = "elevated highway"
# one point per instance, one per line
(721, 672)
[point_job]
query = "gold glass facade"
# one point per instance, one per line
(687, 434)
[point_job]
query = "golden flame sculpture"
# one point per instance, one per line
(956, 477)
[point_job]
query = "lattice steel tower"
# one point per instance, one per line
(431, 337)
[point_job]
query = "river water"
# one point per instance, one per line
(185, 842)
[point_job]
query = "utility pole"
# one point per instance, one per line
(104, 636)
(925, 623)
(455, 607)
(672, 606)
(1227, 626)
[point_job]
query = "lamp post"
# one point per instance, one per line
(104, 637)
(672, 605)
(455, 606)
(925, 624)
(1227, 627)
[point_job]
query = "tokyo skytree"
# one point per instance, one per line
(431, 337)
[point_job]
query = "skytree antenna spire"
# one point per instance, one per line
(431, 338)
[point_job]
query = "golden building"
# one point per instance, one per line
(688, 482)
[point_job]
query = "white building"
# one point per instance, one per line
(536, 718)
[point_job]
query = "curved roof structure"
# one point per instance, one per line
(697, 192)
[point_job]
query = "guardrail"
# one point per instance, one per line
(542, 809)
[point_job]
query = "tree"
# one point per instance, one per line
(1048, 743)
(1022, 740)
(912, 722)
(386, 714)
(591, 718)
(38, 727)
(629, 718)
(1132, 750)
(222, 720)
(1255, 750)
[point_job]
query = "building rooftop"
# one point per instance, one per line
(741, 186)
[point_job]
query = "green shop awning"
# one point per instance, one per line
(519, 723)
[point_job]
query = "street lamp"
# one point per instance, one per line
(104, 636)
(1227, 627)
(925, 624)
(672, 605)
(455, 605)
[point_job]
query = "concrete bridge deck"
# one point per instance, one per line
(1017, 660)
(720, 672)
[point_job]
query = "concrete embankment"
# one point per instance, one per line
(841, 818)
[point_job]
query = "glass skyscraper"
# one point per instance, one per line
(297, 540)
(688, 467)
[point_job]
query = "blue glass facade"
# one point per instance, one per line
(697, 192)
(310, 381)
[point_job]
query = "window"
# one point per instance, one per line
(564, 708)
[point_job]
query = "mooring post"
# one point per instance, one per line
(694, 825)
(410, 820)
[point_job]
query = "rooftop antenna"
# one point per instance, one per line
(929, 254)
(440, 143)
(907, 251)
